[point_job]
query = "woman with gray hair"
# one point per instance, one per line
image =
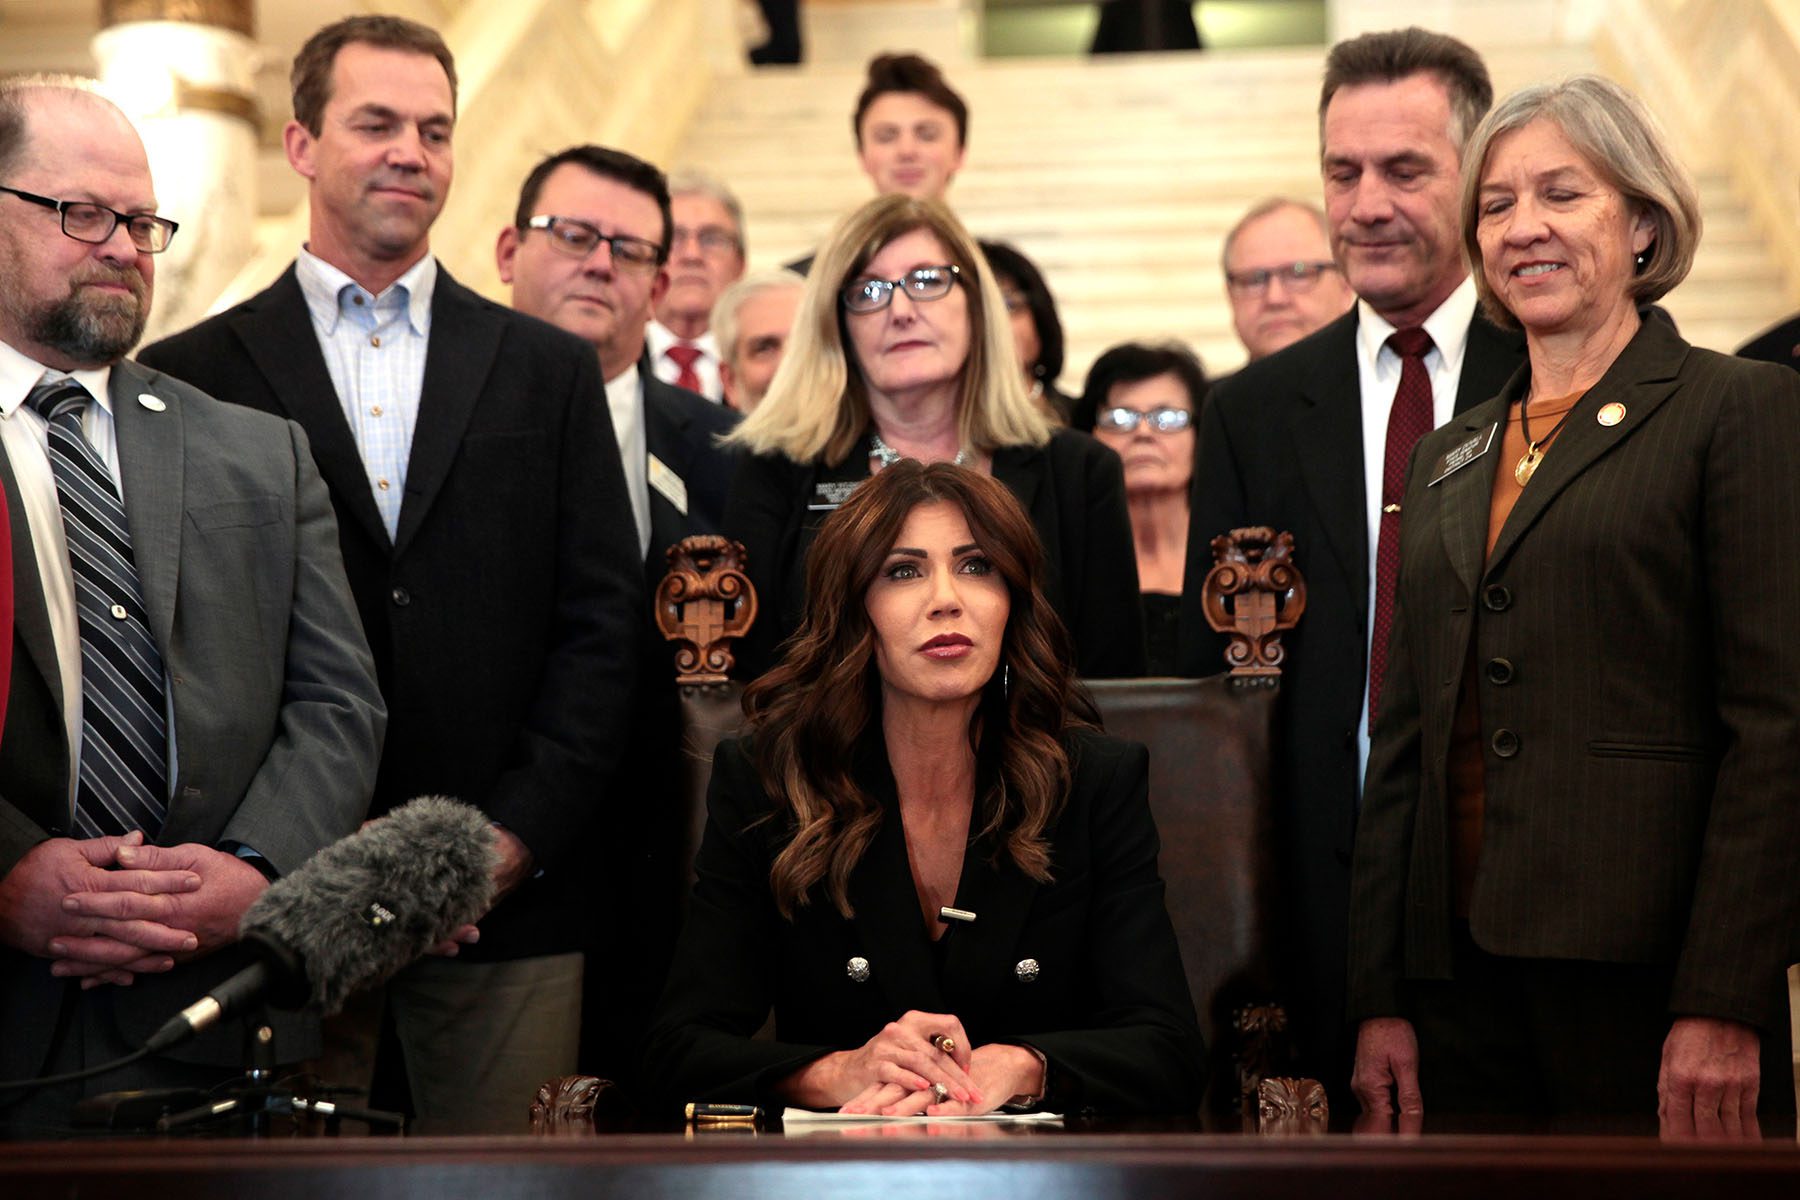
(1574, 887)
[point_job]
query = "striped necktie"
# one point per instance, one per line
(122, 780)
(1408, 420)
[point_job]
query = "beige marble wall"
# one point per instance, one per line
(536, 76)
(1725, 75)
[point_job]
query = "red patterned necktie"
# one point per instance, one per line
(1408, 421)
(685, 357)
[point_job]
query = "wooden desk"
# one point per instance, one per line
(1035, 1166)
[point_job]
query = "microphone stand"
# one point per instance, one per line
(252, 1100)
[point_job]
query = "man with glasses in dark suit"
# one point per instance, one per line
(588, 251)
(1280, 277)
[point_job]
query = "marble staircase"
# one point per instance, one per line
(1119, 177)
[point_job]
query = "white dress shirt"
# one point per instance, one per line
(658, 338)
(625, 400)
(374, 348)
(1378, 378)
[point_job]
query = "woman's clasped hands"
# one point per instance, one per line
(921, 1065)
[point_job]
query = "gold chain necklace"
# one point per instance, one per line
(1534, 451)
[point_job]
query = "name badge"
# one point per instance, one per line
(1462, 454)
(666, 481)
(830, 494)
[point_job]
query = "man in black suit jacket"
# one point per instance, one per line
(1777, 344)
(588, 252)
(1297, 441)
(484, 525)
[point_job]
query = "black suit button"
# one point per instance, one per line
(1506, 743)
(1496, 598)
(401, 597)
(1500, 671)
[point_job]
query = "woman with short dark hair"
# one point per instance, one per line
(1037, 330)
(1142, 401)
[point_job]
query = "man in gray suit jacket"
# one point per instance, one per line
(192, 707)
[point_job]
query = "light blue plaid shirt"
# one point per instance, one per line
(374, 348)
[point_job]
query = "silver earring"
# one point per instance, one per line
(1005, 680)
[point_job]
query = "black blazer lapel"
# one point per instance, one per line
(276, 331)
(665, 437)
(1490, 359)
(465, 337)
(889, 930)
(1327, 433)
(1018, 467)
(1465, 497)
(1641, 378)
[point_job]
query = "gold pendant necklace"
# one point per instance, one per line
(1534, 451)
(1528, 463)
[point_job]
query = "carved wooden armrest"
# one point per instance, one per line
(565, 1105)
(1286, 1106)
(704, 604)
(1254, 593)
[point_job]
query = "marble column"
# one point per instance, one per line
(184, 70)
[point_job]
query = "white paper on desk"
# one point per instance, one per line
(795, 1117)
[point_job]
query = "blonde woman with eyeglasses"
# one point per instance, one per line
(902, 349)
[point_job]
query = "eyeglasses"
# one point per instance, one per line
(713, 239)
(94, 223)
(921, 283)
(1126, 420)
(1296, 277)
(577, 239)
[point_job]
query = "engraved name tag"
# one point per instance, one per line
(830, 494)
(673, 488)
(1462, 454)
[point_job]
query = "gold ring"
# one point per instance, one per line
(944, 1042)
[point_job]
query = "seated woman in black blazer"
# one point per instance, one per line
(937, 874)
(902, 349)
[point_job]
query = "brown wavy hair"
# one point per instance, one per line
(809, 712)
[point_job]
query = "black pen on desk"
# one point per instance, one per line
(700, 1111)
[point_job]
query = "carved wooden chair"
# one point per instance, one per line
(1210, 769)
(1210, 764)
(703, 605)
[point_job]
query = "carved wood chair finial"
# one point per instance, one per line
(704, 604)
(1254, 593)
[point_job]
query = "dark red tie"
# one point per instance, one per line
(685, 357)
(1408, 421)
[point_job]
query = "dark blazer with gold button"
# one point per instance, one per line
(1636, 633)
(1109, 1006)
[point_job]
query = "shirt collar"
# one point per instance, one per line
(322, 284)
(622, 389)
(19, 373)
(661, 337)
(1448, 325)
